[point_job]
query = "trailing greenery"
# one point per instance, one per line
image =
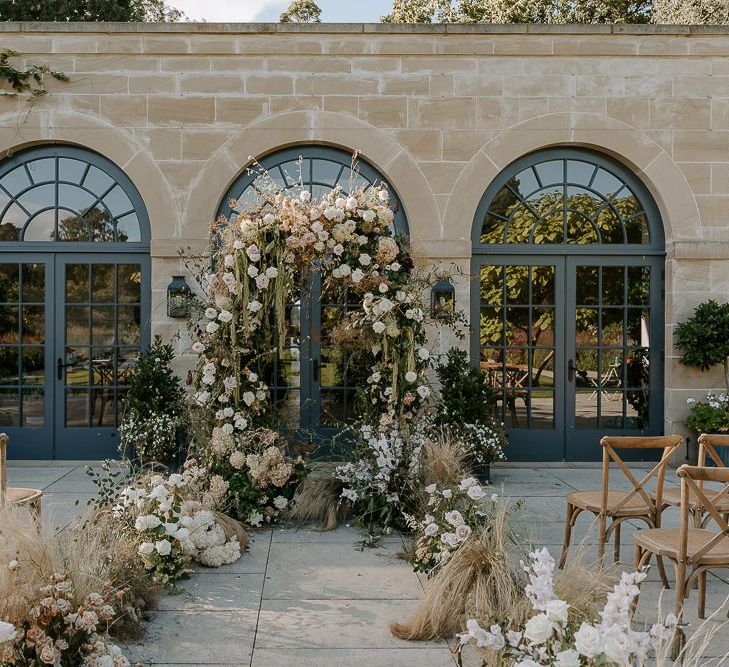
(21, 81)
(711, 416)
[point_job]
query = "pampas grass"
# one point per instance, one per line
(477, 582)
(96, 556)
(318, 501)
(444, 459)
(232, 528)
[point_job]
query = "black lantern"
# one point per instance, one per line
(443, 300)
(179, 296)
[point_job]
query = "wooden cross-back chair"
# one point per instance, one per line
(672, 497)
(619, 506)
(693, 551)
(30, 498)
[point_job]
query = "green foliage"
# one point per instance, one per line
(709, 417)
(88, 10)
(466, 398)
(23, 81)
(155, 389)
(301, 11)
(704, 337)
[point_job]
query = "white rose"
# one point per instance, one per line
(369, 216)
(252, 271)
(255, 306)
(212, 327)
(163, 547)
(211, 313)
(383, 288)
(182, 534)
(475, 492)
(378, 327)
(269, 218)
(614, 651)
(146, 548)
(538, 629)
(557, 611)
(248, 398)
(238, 244)
(454, 517)
(568, 658)
(345, 270)
(305, 196)
(365, 259)
(357, 275)
(430, 489)
(198, 347)
(588, 641)
(450, 540)
(411, 376)
(423, 354)
(228, 429)
(423, 391)
(225, 316)
(448, 494)
(340, 202)
(463, 532)
(229, 261)
(262, 281)
(431, 529)
(351, 204)
(383, 196)
(146, 522)
(271, 272)
(7, 632)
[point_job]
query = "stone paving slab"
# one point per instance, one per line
(417, 657)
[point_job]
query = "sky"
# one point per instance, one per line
(240, 11)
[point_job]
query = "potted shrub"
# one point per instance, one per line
(467, 407)
(704, 342)
(151, 429)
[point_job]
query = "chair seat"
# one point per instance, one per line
(21, 496)
(665, 542)
(592, 501)
(672, 497)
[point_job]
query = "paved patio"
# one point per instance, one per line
(307, 598)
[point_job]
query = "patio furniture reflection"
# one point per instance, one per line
(510, 378)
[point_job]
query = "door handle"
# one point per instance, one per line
(315, 369)
(571, 370)
(60, 366)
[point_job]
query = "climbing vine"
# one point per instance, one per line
(29, 81)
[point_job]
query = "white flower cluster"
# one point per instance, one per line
(207, 542)
(483, 443)
(716, 401)
(546, 638)
(151, 437)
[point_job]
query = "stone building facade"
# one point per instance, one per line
(439, 111)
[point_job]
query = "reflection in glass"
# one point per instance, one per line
(103, 407)
(102, 325)
(34, 365)
(102, 283)
(130, 283)
(333, 407)
(613, 285)
(41, 227)
(33, 283)
(586, 401)
(77, 325)
(9, 329)
(33, 407)
(542, 409)
(9, 368)
(77, 283)
(77, 366)
(77, 407)
(639, 281)
(129, 325)
(9, 282)
(34, 324)
(9, 407)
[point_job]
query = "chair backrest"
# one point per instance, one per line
(708, 442)
(692, 478)
(3, 467)
(610, 445)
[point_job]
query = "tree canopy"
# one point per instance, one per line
(302, 11)
(88, 10)
(559, 11)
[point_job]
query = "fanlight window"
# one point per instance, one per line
(567, 201)
(65, 194)
(314, 168)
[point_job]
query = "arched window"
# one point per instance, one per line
(567, 197)
(74, 300)
(317, 168)
(568, 301)
(313, 381)
(65, 194)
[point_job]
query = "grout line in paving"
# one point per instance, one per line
(260, 602)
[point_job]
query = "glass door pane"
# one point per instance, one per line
(518, 346)
(615, 350)
(24, 361)
(101, 329)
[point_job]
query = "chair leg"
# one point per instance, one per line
(678, 608)
(616, 552)
(567, 535)
(702, 595)
(601, 539)
(662, 572)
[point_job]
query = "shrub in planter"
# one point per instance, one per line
(153, 408)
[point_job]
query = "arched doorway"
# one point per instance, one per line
(568, 253)
(314, 380)
(74, 300)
